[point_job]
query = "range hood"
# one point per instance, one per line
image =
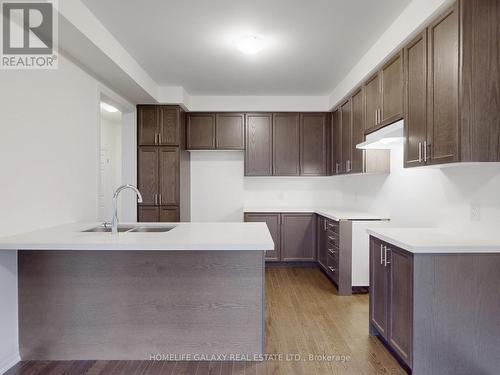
(385, 138)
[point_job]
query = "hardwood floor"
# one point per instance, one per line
(303, 316)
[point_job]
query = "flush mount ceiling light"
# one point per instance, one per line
(108, 108)
(250, 44)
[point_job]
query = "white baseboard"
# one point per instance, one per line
(8, 362)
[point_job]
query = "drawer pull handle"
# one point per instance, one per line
(331, 268)
(331, 238)
(331, 251)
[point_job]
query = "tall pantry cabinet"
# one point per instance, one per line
(162, 163)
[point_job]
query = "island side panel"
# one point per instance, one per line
(128, 305)
(456, 315)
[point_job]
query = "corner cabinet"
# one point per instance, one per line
(294, 235)
(160, 144)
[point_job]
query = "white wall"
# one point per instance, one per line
(48, 163)
(219, 190)
(216, 186)
(421, 197)
(427, 196)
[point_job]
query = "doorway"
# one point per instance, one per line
(110, 162)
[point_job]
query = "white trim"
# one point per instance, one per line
(9, 362)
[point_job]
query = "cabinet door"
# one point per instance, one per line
(273, 223)
(346, 110)
(337, 142)
(169, 176)
(148, 214)
(258, 141)
(443, 134)
(415, 127)
(286, 144)
(169, 214)
(400, 302)
(201, 131)
(480, 98)
(391, 77)
(169, 125)
(147, 176)
(358, 134)
(372, 102)
(379, 294)
(313, 146)
(297, 237)
(147, 125)
(230, 132)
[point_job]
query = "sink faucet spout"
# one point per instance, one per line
(114, 221)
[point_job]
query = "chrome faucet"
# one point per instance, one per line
(114, 222)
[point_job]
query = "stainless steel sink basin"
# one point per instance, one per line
(151, 229)
(131, 229)
(103, 229)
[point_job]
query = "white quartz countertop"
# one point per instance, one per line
(439, 240)
(185, 236)
(334, 213)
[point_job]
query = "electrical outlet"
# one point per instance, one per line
(475, 212)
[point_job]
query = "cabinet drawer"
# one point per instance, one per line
(332, 267)
(332, 226)
(332, 239)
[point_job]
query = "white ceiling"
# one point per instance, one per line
(312, 44)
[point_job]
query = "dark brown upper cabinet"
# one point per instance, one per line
(415, 127)
(391, 80)
(230, 131)
(480, 101)
(258, 144)
(286, 144)
(346, 113)
(357, 130)
(442, 144)
(201, 131)
(169, 125)
(372, 102)
(337, 142)
(313, 144)
(384, 95)
(159, 125)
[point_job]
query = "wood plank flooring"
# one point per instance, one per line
(304, 316)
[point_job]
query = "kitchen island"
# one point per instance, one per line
(435, 298)
(193, 291)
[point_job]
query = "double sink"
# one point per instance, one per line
(131, 229)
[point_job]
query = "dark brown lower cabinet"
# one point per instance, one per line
(297, 237)
(438, 312)
(391, 296)
(154, 214)
(273, 222)
(334, 249)
(294, 235)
